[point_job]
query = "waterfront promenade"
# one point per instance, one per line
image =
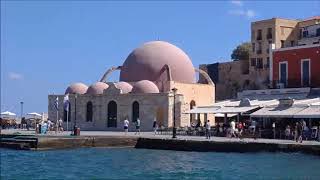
(151, 135)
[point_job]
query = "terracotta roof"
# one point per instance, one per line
(312, 18)
(147, 61)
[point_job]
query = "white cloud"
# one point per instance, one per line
(247, 13)
(250, 13)
(15, 76)
(237, 2)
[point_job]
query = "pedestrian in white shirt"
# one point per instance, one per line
(126, 126)
(233, 128)
(208, 128)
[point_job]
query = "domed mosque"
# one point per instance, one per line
(145, 90)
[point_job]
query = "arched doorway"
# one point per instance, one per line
(112, 114)
(89, 111)
(192, 116)
(135, 111)
(67, 113)
(159, 115)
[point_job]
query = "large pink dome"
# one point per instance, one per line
(145, 86)
(97, 88)
(146, 62)
(124, 86)
(76, 88)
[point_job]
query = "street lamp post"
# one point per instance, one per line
(21, 109)
(75, 111)
(274, 130)
(174, 129)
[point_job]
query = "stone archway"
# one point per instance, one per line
(159, 116)
(192, 116)
(135, 111)
(112, 114)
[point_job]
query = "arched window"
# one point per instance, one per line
(192, 105)
(89, 111)
(67, 113)
(135, 111)
(112, 114)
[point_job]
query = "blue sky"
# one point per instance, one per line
(45, 46)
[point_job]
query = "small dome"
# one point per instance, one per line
(145, 86)
(124, 86)
(76, 88)
(146, 62)
(97, 88)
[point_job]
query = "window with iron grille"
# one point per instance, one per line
(259, 63)
(253, 61)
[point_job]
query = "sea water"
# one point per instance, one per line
(130, 163)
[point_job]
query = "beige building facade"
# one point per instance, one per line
(254, 73)
(309, 31)
(281, 32)
(145, 91)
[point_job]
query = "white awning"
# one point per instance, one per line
(235, 109)
(276, 111)
(309, 112)
(7, 113)
(202, 110)
(222, 115)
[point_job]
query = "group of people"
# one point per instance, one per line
(230, 130)
(48, 126)
(138, 124)
(299, 132)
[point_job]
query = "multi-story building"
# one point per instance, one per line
(309, 31)
(255, 72)
(281, 32)
(296, 67)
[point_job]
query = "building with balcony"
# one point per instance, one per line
(296, 67)
(281, 32)
(255, 73)
(309, 31)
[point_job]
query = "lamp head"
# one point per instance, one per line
(174, 90)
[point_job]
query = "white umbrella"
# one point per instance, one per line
(7, 113)
(34, 114)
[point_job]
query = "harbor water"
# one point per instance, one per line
(130, 163)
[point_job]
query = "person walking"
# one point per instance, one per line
(296, 135)
(208, 128)
(137, 126)
(154, 126)
(125, 126)
(300, 130)
(233, 129)
(60, 128)
(240, 129)
(287, 132)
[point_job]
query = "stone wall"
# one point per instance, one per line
(232, 77)
(148, 106)
(158, 105)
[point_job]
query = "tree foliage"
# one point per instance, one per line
(241, 52)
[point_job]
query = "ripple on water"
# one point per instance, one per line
(129, 163)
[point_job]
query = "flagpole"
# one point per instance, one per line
(57, 120)
(67, 118)
(57, 109)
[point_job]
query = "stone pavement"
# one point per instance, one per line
(151, 135)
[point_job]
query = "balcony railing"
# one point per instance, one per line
(310, 36)
(290, 83)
